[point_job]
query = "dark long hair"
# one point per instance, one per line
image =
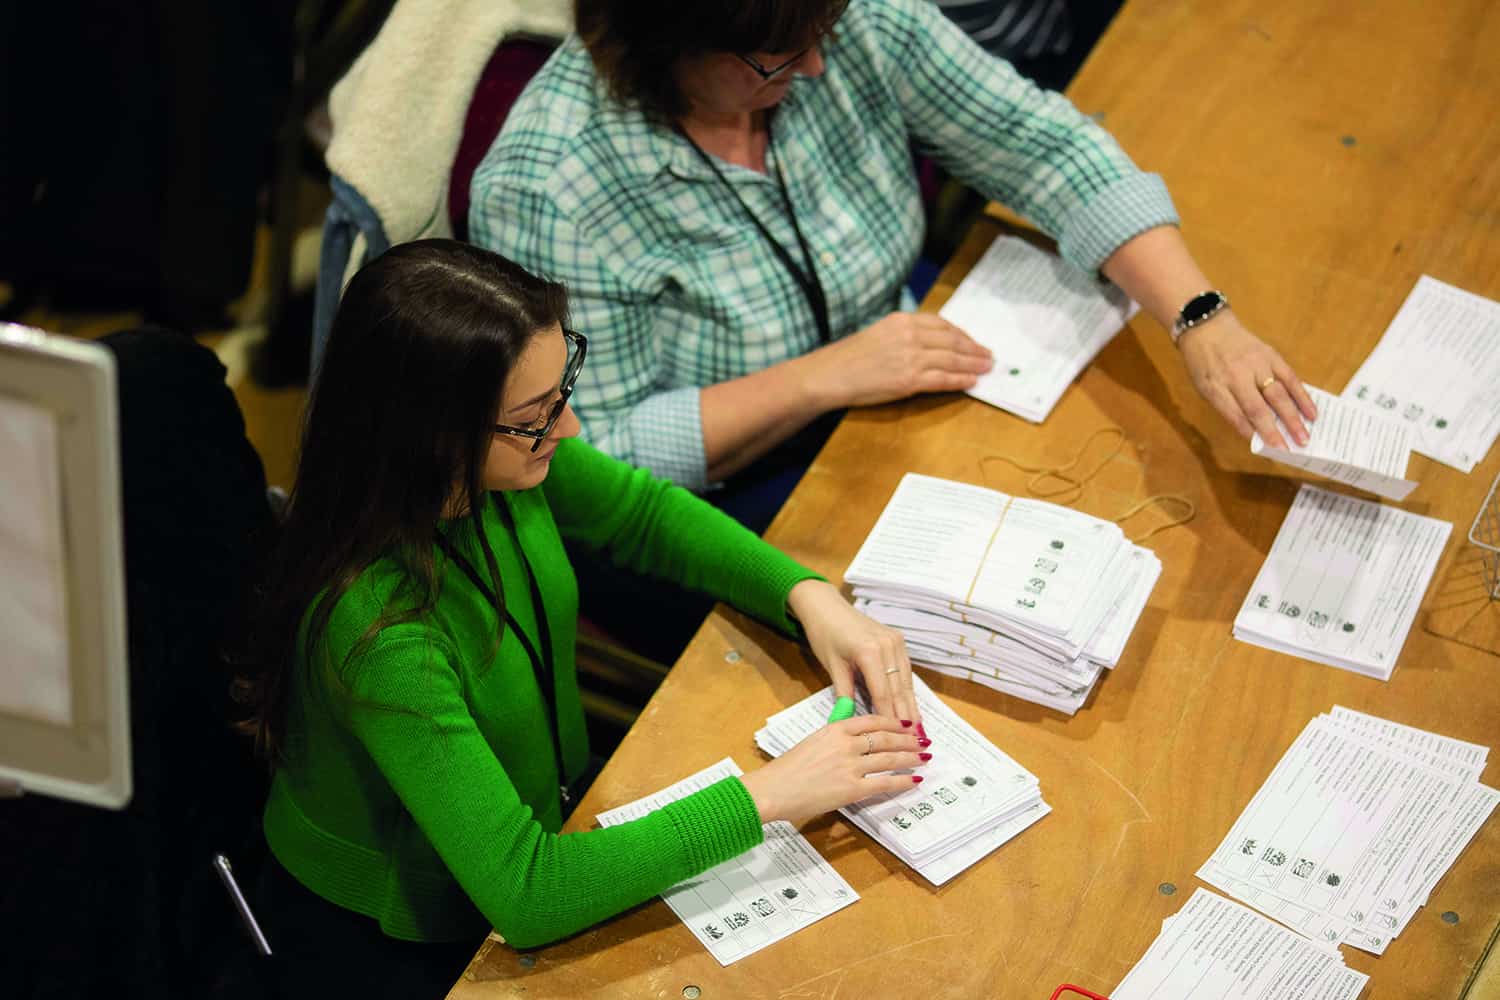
(397, 428)
(635, 44)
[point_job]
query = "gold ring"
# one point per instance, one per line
(869, 744)
(893, 670)
(1266, 383)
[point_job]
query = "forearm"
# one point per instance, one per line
(1157, 270)
(746, 417)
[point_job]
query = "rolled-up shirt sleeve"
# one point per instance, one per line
(1025, 147)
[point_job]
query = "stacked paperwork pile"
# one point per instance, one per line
(1020, 595)
(972, 799)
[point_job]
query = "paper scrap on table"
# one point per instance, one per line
(35, 678)
(1349, 443)
(1043, 319)
(1343, 582)
(1437, 368)
(754, 900)
(1216, 948)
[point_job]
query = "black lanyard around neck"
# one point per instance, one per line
(806, 277)
(541, 665)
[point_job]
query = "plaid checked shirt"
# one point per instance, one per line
(677, 290)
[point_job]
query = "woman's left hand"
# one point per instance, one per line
(845, 641)
(1246, 380)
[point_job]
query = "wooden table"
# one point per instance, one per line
(1323, 155)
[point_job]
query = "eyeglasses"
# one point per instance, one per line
(540, 428)
(766, 74)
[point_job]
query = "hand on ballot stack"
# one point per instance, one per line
(838, 764)
(846, 641)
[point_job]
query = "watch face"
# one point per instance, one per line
(1201, 307)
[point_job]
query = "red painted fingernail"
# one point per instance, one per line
(924, 743)
(925, 756)
(921, 730)
(916, 779)
(906, 723)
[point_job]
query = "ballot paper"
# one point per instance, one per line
(1342, 582)
(972, 799)
(1355, 826)
(1216, 948)
(35, 677)
(1350, 443)
(1043, 319)
(1021, 595)
(1437, 367)
(766, 894)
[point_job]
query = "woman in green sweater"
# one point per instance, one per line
(418, 691)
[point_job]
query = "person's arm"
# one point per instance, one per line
(1227, 362)
(895, 357)
(652, 527)
(407, 710)
(1034, 151)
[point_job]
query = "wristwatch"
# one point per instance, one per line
(1199, 309)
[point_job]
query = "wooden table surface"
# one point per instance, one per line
(1323, 155)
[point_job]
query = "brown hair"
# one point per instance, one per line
(403, 409)
(635, 44)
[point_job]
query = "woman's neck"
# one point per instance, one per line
(738, 137)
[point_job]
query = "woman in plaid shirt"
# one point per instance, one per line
(726, 188)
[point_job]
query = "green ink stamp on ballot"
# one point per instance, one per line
(842, 709)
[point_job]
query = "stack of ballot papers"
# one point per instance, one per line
(756, 899)
(1020, 595)
(1355, 826)
(1216, 948)
(972, 799)
(1043, 319)
(1350, 443)
(1343, 582)
(1437, 369)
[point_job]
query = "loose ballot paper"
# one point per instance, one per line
(1437, 369)
(1216, 948)
(1350, 443)
(973, 797)
(1342, 582)
(1043, 319)
(766, 894)
(1354, 827)
(1020, 595)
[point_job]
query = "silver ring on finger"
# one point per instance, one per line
(893, 670)
(869, 744)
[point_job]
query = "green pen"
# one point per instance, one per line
(842, 709)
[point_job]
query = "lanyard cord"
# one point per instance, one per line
(541, 666)
(807, 279)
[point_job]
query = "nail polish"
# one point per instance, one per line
(906, 723)
(921, 731)
(924, 744)
(916, 779)
(925, 756)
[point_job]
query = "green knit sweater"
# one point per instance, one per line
(420, 786)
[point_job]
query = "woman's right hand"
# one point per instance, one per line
(839, 764)
(895, 357)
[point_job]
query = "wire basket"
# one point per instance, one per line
(1486, 535)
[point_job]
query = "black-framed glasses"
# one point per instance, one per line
(578, 346)
(766, 74)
